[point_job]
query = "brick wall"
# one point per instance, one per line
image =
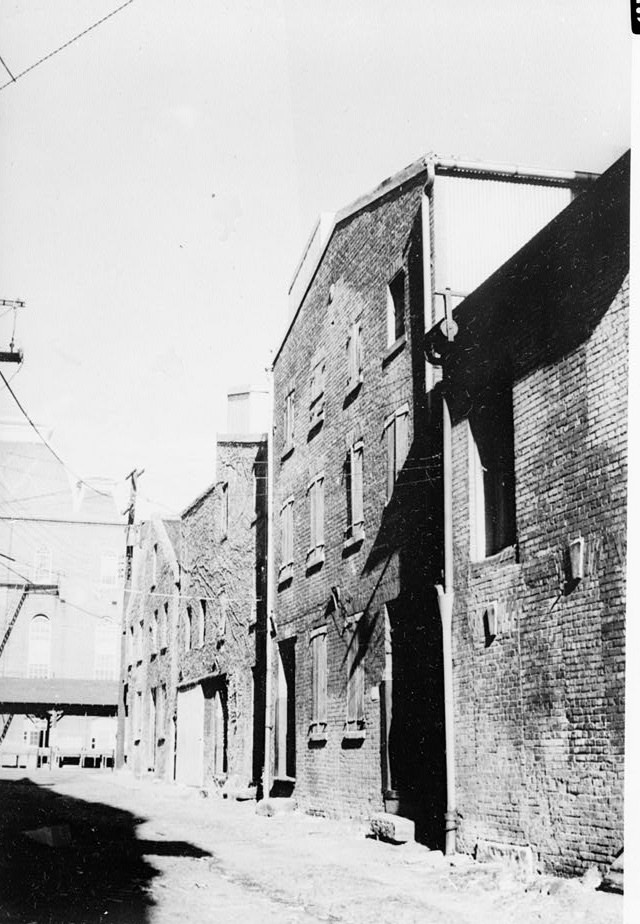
(539, 708)
(392, 565)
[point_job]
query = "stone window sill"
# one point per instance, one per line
(352, 390)
(285, 574)
(315, 557)
(286, 452)
(353, 536)
(396, 347)
(317, 737)
(354, 735)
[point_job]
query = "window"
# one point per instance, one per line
(161, 710)
(154, 565)
(153, 634)
(355, 680)
(315, 555)
(224, 511)
(39, 647)
(109, 569)
(354, 356)
(286, 540)
(188, 628)
(396, 429)
(105, 651)
(316, 403)
(353, 476)
(163, 627)
(140, 641)
(202, 622)
(492, 476)
(395, 308)
(318, 642)
(289, 419)
(42, 566)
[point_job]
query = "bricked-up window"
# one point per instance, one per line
(153, 633)
(396, 435)
(316, 521)
(354, 356)
(354, 484)
(161, 710)
(355, 677)
(286, 540)
(316, 394)
(154, 565)
(289, 420)
(492, 477)
(140, 641)
(395, 308)
(318, 643)
(224, 510)
(164, 626)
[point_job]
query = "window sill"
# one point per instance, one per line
(285, 574)
(352, 392)
(153, 656)
(353, 738)
(315, 558)
(317, 737)
(506, 556)
(286, 452)
(396, 347)
(353, 538)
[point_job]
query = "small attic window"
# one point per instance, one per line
(395, 308)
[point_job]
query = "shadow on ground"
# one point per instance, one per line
(85, 865)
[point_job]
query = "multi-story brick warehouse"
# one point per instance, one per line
(220, 698)
(192, 704)
(149, 665)
(357, 490)
(536, 384)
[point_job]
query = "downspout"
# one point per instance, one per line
(445, 603)
(446, 592)
(268, 719)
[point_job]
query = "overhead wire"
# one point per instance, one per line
(61, 47)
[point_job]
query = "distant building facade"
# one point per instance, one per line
(61, 571)
(150, 639)
(357, 513)
(536, 383)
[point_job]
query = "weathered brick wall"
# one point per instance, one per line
(228, 572)
(539, 710)
(145, 669)
(392, 565)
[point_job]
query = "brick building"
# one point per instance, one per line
(192, 707)
(150, 640)
(220, 698)
(536, 383)
(357, 518)
(62, 543)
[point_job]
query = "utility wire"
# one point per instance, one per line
(61, 47)
(49, 447)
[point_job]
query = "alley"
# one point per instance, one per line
(131, 851)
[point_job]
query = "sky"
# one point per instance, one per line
(159, 178)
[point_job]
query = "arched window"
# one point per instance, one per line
(39, 646)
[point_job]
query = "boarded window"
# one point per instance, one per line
(396, 433)
(316, 402)
(355, 677)
(354, 484)
(286, 533)
(316, 512)
(395, 308)
(354, 355)
(289, 419)
(318, 643)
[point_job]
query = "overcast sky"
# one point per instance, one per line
(159, 178)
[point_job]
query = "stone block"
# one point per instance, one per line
(393, 828)
(518, 856)
(275, 806)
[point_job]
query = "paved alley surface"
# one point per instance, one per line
(129, 851)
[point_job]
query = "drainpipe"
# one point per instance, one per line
(268, 712)
(445, 604)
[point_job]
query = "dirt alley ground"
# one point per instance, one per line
(146, 852)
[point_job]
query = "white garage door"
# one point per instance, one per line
(190, 750)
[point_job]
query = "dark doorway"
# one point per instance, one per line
(285, 718)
